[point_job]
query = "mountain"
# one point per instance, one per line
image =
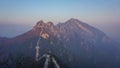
(74, 44)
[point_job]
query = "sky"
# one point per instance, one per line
(18, 16)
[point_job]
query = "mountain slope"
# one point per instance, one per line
(74, 43)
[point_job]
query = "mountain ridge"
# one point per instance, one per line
(74, 43)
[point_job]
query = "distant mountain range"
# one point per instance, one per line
(75, 45)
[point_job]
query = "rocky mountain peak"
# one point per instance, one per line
(42, 24)
(39, 25)
(44, 29)
(73, 20)
(71, 26)
(50, 23)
